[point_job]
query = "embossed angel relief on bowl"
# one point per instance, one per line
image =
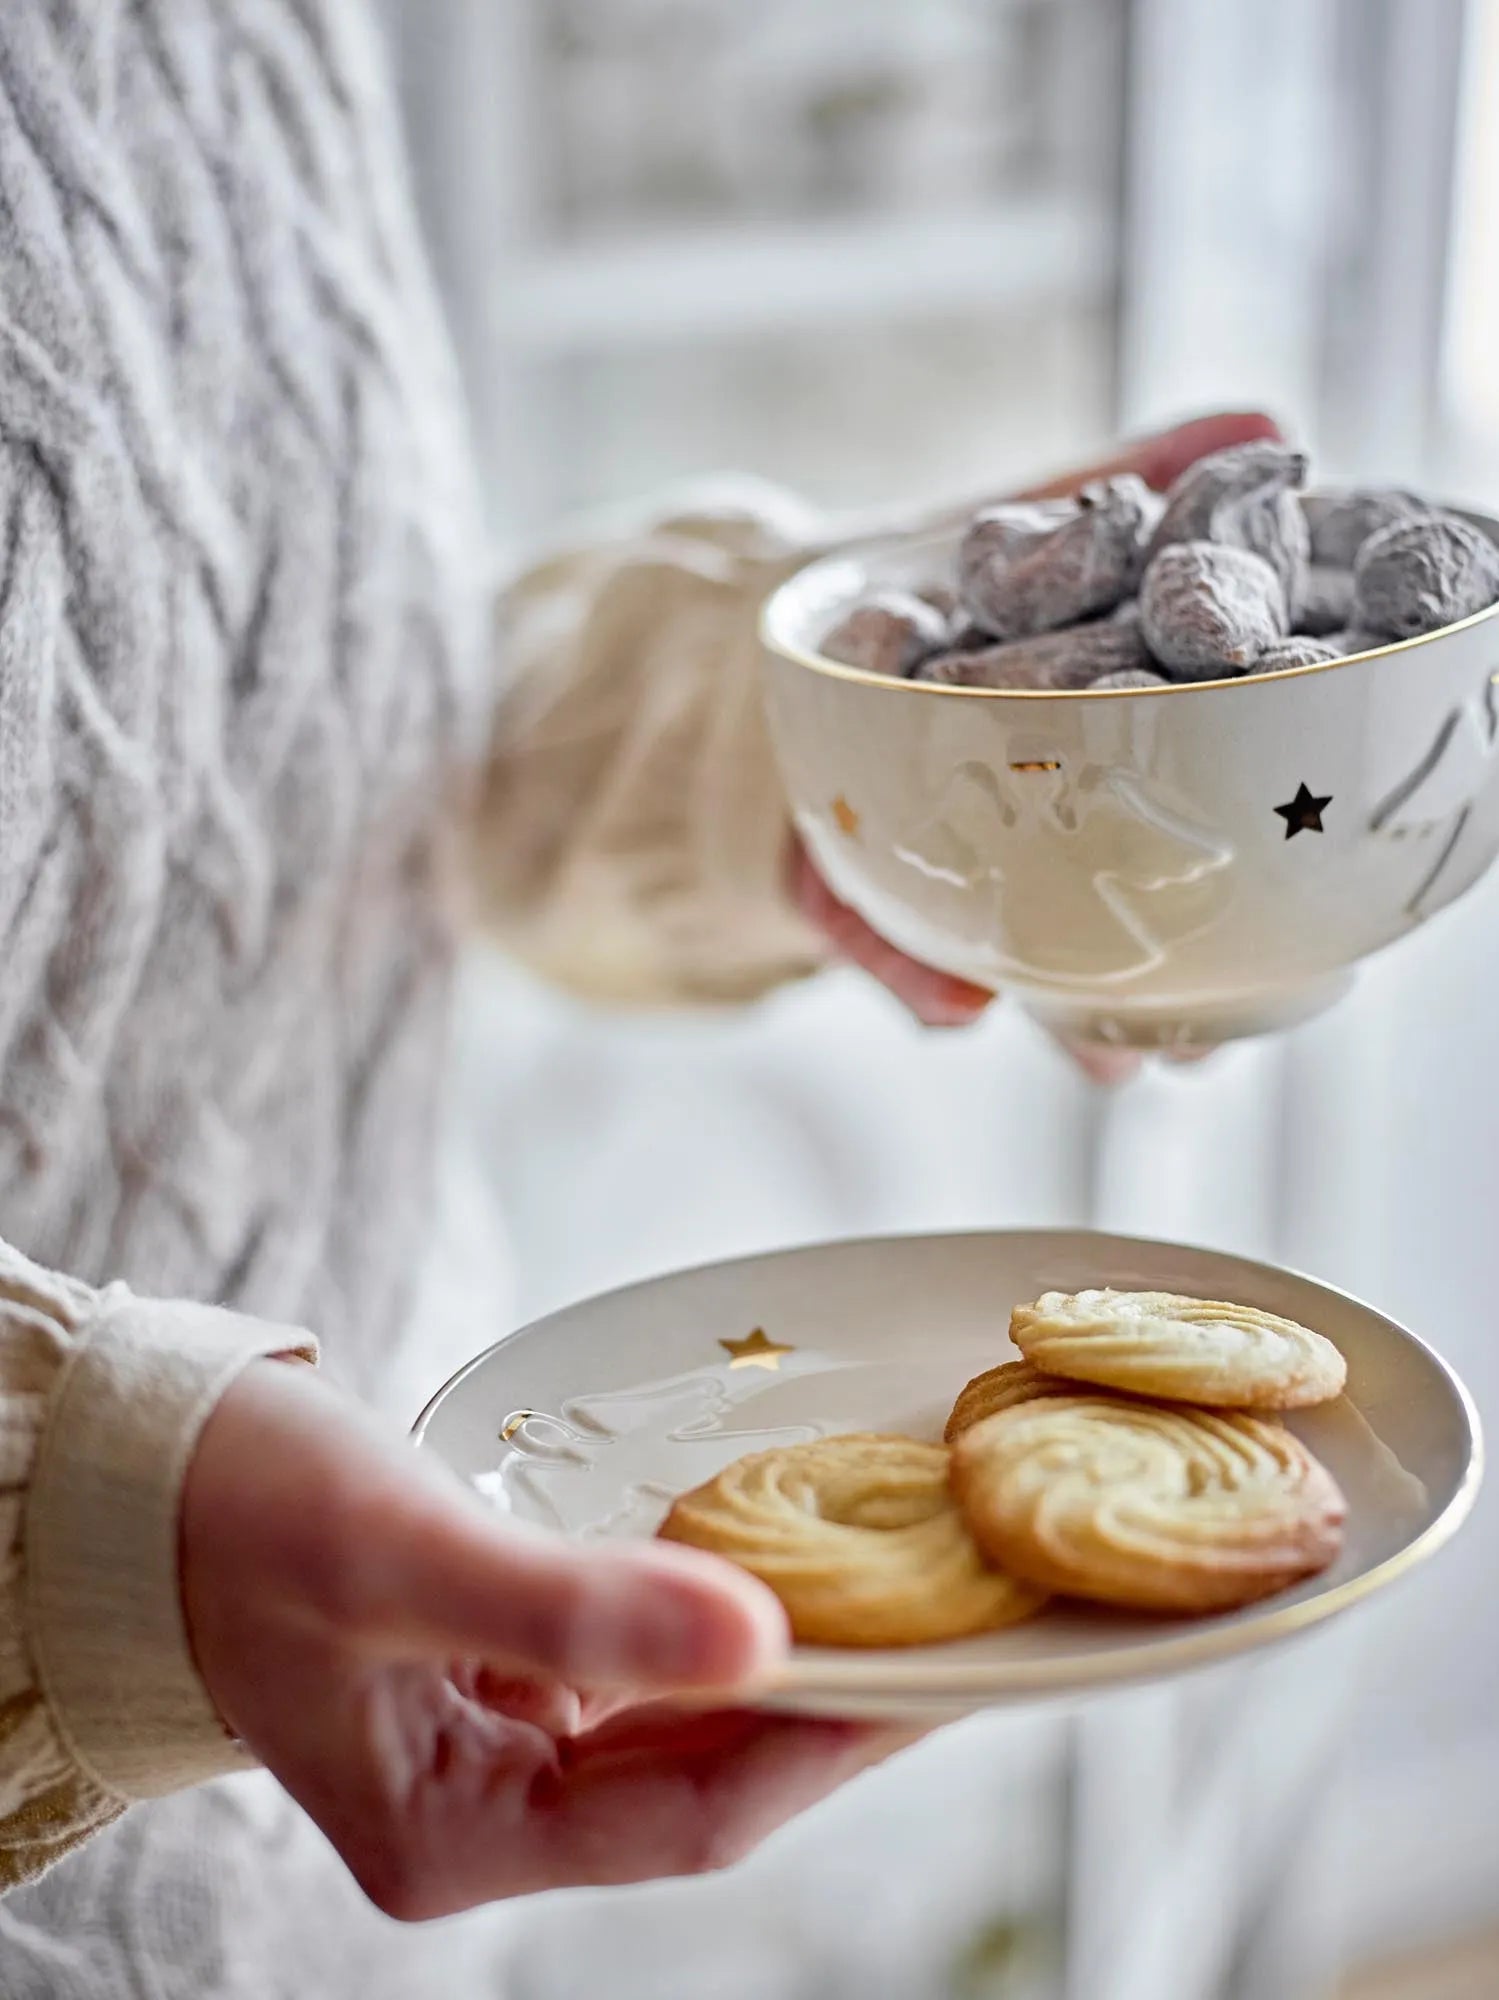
(1137, 878)
(1167, 770)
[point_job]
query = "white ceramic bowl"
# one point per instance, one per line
(1155, 867)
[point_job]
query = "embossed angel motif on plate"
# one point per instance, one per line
(549, 1465)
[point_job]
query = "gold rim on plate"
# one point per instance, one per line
(923, 1677)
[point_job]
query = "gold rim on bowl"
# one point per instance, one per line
(788, 649)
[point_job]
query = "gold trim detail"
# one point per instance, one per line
(835, 670)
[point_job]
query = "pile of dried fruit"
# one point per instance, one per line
(1235, 571)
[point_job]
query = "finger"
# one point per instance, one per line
(1165, 455)
(513, 1813)
(547, 1705)
(364, 1538)
(936, 998)
(658, 1800)
(557, 1708)
(663, 1729)
(1101, 1064)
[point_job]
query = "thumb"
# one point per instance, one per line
(297, 1497)
(644, 1615)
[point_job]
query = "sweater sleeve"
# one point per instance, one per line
(102, 1398)
(632, 834)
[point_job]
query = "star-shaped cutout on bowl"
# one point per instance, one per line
(1304, 813)
(754, 1351)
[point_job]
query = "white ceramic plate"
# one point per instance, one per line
(592, 1419)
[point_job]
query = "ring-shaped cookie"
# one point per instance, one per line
(860, 1538)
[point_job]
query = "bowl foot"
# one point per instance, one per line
(1174, 1028)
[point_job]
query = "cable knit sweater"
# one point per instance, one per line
(253, 763)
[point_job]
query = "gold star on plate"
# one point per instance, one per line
(754, 1351)
(1304, 813)
(847, 818)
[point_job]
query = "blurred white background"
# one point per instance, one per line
(882, 252)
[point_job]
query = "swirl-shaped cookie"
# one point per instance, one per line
(998, 1389)
(1183, 1350)
(1148, 1505)
(859, 1537)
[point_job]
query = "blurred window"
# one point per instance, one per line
(1469, 385)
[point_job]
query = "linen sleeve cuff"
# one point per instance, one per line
(103, 1600)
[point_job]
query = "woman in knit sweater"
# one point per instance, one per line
(255, 765)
